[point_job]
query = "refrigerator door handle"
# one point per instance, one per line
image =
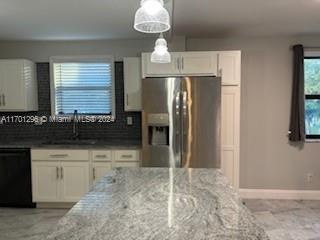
(177, 122)
(183, 122)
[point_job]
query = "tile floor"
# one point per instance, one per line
(287, 220)
(282, 219)
(27, 224)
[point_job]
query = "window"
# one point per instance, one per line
(85, 84)
(312, 96)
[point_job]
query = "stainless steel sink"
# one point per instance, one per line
(70, 142)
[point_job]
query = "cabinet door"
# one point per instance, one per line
(150, 69)
(230, 67)
(45, 181)
(99, 170)
(132, 84)
(13, 89)
(230, 133)
(74, 180)
(199, 63)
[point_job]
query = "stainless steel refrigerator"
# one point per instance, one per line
(181, 122)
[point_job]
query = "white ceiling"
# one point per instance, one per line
(208, 18)
(113, 19)
(68, 19)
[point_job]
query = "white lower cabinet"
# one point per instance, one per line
(126, 158)
(75, 180)
(45, 181)
(62, 176)
(126, 155)
(99, 169)
(59, 181)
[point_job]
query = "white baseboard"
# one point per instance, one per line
(279, 194)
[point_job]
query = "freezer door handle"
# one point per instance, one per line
(177, 130)
(177, 118)
(178, 104)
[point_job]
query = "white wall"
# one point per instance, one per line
(40, 51)
(267, 161)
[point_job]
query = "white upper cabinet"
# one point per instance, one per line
(182, 64)
(150, 69)
(199, 63)
(229, 67)
(18, 86)
(132, 84)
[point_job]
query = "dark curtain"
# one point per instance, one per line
(297, 122)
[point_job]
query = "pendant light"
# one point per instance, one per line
(152, 17)
(160, 53)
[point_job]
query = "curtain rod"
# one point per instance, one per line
(308, 47)
(312, 47)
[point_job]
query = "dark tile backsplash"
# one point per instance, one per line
(113, 132)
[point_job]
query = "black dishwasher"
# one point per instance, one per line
(15, 178)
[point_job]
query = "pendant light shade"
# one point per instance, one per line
(160, 53)
(152, 17)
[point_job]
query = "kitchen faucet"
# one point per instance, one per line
(75, 127)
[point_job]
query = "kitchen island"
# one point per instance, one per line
(159, 203)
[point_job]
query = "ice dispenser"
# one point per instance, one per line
(158, 128)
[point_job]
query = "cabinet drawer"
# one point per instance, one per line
(101, 156)
(127, 164)
(62, 155)
(127, 155)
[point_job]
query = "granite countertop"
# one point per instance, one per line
(82, 144)
(159, 203)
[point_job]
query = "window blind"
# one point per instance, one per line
(85, 87)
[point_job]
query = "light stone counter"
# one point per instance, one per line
(159, 203)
